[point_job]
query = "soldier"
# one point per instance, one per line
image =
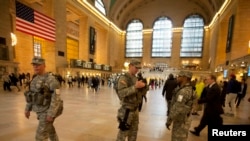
(128, 93)
(43, 97)
(181, 106)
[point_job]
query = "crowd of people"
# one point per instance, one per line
(12, 80)
(16, 80)
(184, 97)
(212, 99)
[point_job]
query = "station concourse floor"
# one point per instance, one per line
(91, 116)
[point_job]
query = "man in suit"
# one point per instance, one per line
(213, 109)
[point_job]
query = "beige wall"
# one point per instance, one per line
(241, 34)
(110, 45)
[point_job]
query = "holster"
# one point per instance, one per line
(40, 99)
(123, 122)
(28, 96)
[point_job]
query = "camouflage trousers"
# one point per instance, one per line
(131, 134)
(180, 130)
(45, 129)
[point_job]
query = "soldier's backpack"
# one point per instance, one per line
(116, 83)
(128, 79)
(45, 89)
(60, 108)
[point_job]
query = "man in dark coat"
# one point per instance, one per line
(168, 88)
(242, 92)
(213, 109)
(233, 88)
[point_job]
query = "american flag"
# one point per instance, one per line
(34, 23)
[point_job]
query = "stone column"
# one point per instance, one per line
(61, 33)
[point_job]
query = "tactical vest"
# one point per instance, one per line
(40, 97)
(131, 102)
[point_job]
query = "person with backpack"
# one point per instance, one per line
(233, 88)
(43, 97)
(130, 96)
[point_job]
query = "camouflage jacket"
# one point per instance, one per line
(127, 93)
(182, 102)
(37, 84)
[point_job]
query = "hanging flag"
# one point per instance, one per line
(34, 23)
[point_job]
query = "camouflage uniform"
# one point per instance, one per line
(180, 109)
(43, 97)
(130, 98)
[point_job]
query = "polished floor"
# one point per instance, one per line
(90, 116)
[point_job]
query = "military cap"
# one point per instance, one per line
(186, 73)
(38, 60)
(135, 63)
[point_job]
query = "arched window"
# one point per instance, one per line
(134, 38)
(162, 38)
(38, 44)
(100, 6)
(192, 37)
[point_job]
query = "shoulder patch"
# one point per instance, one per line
(123, 82)
(180, 97)
(57, 91)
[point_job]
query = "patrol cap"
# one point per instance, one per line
(135, 63)
(186, 73)
(38, 60)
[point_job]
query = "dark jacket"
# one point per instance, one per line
(212, 100)
(244, 90)
(233, 86)
(168, 88)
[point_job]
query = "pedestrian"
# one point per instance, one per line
(213, 108)
(199, 86)
(242, 92)
(6, 81)
(181, 107)
(129, 95)
(14, 80)
(233, 88)
(223, 93)
(143, 91)
(167, 90)
(43, 97)
(249, 102)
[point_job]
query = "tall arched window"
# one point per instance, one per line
(100, 6)
(162, 38)
(134, 38)
(192, 37)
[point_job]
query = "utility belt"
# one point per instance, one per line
(37, 98)
(131, 107)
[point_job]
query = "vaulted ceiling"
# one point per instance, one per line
(122, 11)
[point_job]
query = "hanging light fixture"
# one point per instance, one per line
(13, 39)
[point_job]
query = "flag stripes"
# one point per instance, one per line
(34, 23)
